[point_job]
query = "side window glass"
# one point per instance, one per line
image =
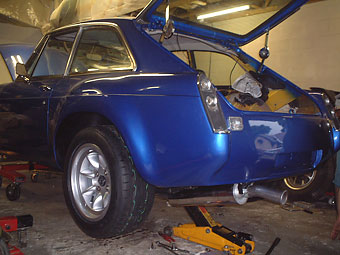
(54, 57)
(100, 49)
(220, 69)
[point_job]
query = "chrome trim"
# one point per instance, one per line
(74, 47)
(133, 66)
(34, 64)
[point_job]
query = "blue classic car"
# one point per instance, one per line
(115, 105)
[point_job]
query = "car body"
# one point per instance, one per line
(313, 185)
(107, 102)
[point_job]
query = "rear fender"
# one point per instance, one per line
(169, 137)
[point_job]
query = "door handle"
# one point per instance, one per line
(45, 88)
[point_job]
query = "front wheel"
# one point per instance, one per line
(104, 193)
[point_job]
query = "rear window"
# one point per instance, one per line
(100, 49)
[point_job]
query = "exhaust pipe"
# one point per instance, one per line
(241, 195)
(238, 195)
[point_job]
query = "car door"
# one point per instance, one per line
(24, 104)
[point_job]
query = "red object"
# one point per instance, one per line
(9, 224)
(166, 237)
(14, 250)
(10, 171)
(16, 223)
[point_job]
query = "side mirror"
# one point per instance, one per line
(20, 70)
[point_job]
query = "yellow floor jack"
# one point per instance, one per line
(207, 232)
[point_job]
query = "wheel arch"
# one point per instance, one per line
(70, 126)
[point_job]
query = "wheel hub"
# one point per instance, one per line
(102, 180)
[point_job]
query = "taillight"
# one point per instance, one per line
(211, 104)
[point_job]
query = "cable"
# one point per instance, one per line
(231, 72)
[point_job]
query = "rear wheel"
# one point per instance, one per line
(312, 185)
(104, 193)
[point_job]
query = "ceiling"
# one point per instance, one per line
(38, 13)
(191, 9)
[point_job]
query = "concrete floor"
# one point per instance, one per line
(54, 231)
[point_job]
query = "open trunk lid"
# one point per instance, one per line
(242, 21)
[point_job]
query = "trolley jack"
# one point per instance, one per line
(207, 232)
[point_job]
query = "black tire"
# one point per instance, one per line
(315, 185)
(13, 191)
(130, 199)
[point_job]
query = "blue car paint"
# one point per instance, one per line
(147, 130)
(142, 125)
(159, 113)
(336, 138)
(335, 133)
(23, 116)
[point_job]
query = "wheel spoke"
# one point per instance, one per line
(106, 197)
(87, 173)
(93, 159)
(301, 181)
(89, 191)
(98, 202)
(102, 165)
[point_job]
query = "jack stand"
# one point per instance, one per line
(207, 232)
(11, 224)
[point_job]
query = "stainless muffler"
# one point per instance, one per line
(239, 194)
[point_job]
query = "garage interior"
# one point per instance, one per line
(304, 49)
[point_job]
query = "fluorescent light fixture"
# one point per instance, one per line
(223, 12)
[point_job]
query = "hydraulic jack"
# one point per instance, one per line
(11, 224)
(207, 232)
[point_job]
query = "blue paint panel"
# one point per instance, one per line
(336, 137)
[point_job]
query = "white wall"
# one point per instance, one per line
(306, 47)
(17, 34)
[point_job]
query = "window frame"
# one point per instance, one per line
(96, 25)
(33, 60)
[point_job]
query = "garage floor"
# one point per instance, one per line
(54, 231)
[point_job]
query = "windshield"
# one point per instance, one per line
(235, 16)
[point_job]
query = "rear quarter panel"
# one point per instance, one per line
(160, 117)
